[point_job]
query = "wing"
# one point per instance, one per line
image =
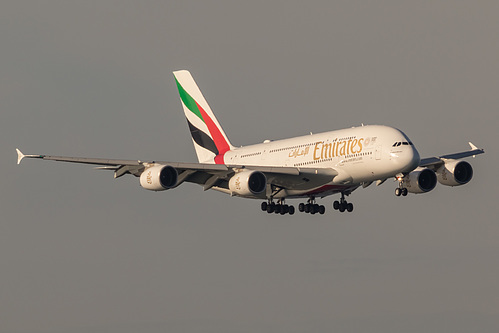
(207, 175)
(437, 161)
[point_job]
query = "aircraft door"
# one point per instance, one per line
(378, 152)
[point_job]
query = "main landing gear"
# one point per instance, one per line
(343, 205)
(279, 208)
(401, 190)
(311, 207)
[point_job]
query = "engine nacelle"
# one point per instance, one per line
(421, 180)
(159, 178)
(454, 173)
(247, 183)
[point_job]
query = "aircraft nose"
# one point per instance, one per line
(406, 159)
(412, 159)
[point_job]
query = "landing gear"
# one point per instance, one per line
(279, 208)
(343, 205)
(311, 207)
(401, 190)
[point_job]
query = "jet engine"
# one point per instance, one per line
(421, 180)
(248, 183)
(159, 178)
(454, 173)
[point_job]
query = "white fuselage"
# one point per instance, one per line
(360, 155)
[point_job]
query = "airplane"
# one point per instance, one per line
(305, 167)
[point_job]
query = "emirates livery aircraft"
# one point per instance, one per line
(309, 167)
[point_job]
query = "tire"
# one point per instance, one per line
(342, 207)
(291, 210)
(264, 206)
(336, 205)
(322, 209)
(398, 192)
(270, 208)
(404, 192)
(350, 207)
(301, 207)
(307, 208)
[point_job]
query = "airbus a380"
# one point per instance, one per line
(308, 167)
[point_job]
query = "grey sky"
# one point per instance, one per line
(81, 252)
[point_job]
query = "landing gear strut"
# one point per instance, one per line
(343, 205)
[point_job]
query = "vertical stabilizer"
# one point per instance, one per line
(208, 137)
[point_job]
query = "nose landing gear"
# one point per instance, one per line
(401, 190)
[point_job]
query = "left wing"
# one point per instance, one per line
(437, 161)
(207, 175)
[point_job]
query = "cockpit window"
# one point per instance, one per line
(405, 143)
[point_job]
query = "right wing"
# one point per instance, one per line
(437, 161)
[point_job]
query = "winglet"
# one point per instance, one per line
(473, 147)
(20, 156)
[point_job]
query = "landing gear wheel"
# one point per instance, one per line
(291, 210)
(307, 208)
(264, 206)
(404, 192)
(301, 207)
(336, 205)
(271, 208)
(349, 207)
(342, 207)
(322, 209)
(398, 191)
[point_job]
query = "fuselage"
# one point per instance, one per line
(361, 155)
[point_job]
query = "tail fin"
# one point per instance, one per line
(208, 137)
